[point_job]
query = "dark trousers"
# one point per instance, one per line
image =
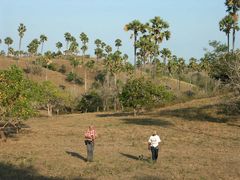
(154, 151)
(90, 148)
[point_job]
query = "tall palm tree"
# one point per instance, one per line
(21, 30)
(8, 41)
(43, 38)
(84, 38)
(59, 45)
(226, 25)
(180, 68)
(99, 51)
(136, 26)
(166, 54)
(67, 36)
(233, 7)
(118, 43)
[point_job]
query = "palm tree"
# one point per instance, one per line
(205, 66)
(118, 43)
(43, 38)
(8, 41)
(21, 30)
(136, 26)
(233, 7)
(180, 68)
(84, 39)
(166, 54)
(192, 66)
(226, 25)
(33, 46)
(99, 51)
(87, 66)
(67, 36)
(59, 45)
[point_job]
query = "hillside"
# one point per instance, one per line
(59, 79)
(196, 144)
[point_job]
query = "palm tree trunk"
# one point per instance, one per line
(135, 49)
(233, 42)
(19, 48)
(228, 42)
(85, 81)
(42, 48)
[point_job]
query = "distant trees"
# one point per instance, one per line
(118, 43)
(67, 36)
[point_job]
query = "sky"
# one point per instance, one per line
(192, 22)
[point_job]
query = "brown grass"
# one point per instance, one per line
(195, 146)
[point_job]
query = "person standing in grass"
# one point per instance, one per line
(90, 137)
(153, 145)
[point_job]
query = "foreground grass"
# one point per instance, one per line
(197, 144)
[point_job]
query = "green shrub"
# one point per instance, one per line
(72, 77)
(140, 93)
(91, 102)
(62, 69)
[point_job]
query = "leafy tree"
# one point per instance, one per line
(166, 54)
(136, 26)
(91, 102)
(52, 97)
(21, 30)
(43, 38)
(8, 41)
(118, 43)
(140, 93)
(18, 95)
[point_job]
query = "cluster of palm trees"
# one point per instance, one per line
(230, 22)
(147, 39)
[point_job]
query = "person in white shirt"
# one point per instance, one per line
(153, 145)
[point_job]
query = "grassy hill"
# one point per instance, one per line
(196, 144)
(59, 79)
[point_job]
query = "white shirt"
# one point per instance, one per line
(154, 140)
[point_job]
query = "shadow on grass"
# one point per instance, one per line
(11, 172)
(147, 122)
(74, 154)
(196, 113)
(120, 114)
(148, 178)
(130, 156)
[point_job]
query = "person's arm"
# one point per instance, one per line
(149, 143)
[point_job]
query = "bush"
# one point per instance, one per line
(72, 77)
(140, 93)
(91, 102)
(52, 67)
(36, 70)
(62, 69)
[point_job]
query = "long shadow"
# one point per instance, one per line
(11, 172)
(130, 156)
(147, 122)
(74, 154)
(120, 114)
(194, 114)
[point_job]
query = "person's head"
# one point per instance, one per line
(154, 133)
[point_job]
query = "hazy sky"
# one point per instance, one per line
(192, 22)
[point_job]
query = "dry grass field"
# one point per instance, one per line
(197, 143)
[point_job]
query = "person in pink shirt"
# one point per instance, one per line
(90, 136)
